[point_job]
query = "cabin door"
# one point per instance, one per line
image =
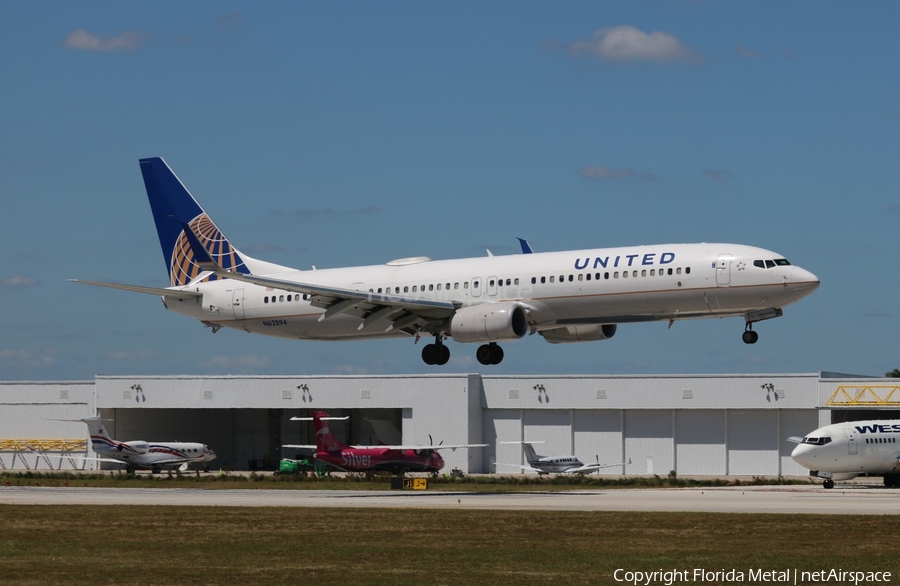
(237, 303)
(723, 270)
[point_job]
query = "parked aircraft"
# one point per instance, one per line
(396, 459)
(556, 464)
(842, 451)
(566, 297)
(142, 454)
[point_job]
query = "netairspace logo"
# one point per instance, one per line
(757, 575)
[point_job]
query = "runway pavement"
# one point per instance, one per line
(849, 500)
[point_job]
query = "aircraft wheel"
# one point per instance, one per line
(496, 354)
(155, 471)
(829, 483)
(430, 354)
(750, 337)
(484, 354)
(443, 355)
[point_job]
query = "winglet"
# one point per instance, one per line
(526, 248)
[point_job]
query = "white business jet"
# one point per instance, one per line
(573, 296)
(142, 454)
(556, 464)
(842, 451)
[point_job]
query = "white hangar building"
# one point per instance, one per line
(695, 425)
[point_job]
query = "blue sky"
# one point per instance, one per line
(335, 134)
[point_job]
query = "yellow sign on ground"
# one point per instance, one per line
(415, 483)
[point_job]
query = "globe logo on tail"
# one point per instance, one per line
(184, 265)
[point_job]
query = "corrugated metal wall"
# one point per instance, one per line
(709, 424)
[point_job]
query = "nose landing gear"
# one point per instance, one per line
(749, 336)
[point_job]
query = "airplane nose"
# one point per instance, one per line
(803, 280)
(803, 455)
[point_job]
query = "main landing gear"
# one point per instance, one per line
(439, 354)
(489, 354)
(436, 353)
(749, 336)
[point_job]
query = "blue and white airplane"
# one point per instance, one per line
(842, 451)
(573, 296)
(556, 464)
(139, 453)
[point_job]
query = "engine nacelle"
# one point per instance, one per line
(581, 333)
(489, 322)
(136, 446)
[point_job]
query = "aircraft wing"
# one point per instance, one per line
(373, 308)
(405, 447)
(170, 293)
(588, 468)
(432, 447)
(523, 467)
(67, 457)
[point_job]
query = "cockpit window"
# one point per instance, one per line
(771, 264)
(817, 441)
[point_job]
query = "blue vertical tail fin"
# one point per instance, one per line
(173, 205)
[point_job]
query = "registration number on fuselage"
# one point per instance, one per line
(274, 322)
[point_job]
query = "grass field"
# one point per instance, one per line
(475, 483)
(272, 546)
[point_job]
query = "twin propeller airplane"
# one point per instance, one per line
(395, 459)
(566, 297)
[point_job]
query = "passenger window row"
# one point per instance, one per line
(396, 290)
(615, 275)
(881, 440)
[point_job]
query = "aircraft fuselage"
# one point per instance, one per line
(600, 286)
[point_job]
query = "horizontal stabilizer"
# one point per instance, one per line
(170, 293)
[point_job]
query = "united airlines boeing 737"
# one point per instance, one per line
(573, 296)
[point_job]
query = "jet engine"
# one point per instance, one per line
(138, 446)
(581, 333)
(489, 322)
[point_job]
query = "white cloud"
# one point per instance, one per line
(350, 369)
(132, 355)
(748, 53)
(600, 172)
(717, 174)
(82, 40)
(243, 362)
(25, 358)
(627, 43)
(19, 281)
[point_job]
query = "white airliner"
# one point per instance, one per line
(556, 464)
(573, 296)
(141, 454)
(842, 451)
